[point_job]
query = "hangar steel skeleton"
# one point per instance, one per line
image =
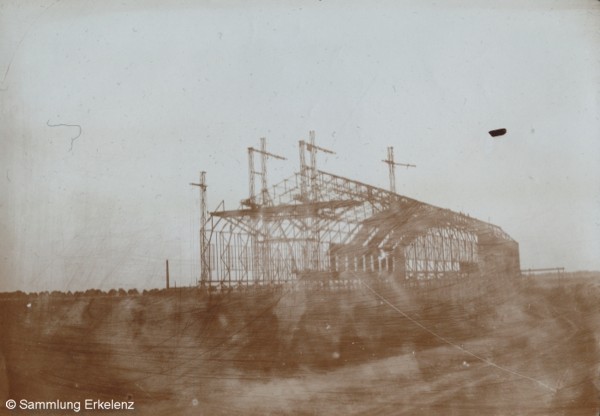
(317, 226)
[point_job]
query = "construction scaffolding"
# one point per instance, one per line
(317, 226)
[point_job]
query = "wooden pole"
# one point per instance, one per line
(167, 265)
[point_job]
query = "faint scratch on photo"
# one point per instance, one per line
(12, 58)
(67, 125)
(447, 341)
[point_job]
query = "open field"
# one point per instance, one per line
(527, 347)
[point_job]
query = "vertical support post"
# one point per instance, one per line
(314, 195)
(264, 198)
(304, 262)
(252, 188)
(204, 266)
(266, 253)
(313, 166)
(204, 257)
(303, 169)
(263, 257)
(167, 270)
(392, 169)
(311, 235)
(264, 190)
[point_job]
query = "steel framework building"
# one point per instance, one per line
(317, 226)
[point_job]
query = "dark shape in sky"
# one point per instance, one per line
(497, 132)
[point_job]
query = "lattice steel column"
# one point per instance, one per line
(204, 255)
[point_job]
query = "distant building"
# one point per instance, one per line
(319, 226)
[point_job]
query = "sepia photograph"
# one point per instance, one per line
(311, 207)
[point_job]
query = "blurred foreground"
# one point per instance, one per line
(514, 347)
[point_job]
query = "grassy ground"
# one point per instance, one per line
(527, 347)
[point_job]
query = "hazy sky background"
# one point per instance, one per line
(163, 90)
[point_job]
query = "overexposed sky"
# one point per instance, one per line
(162, 90)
